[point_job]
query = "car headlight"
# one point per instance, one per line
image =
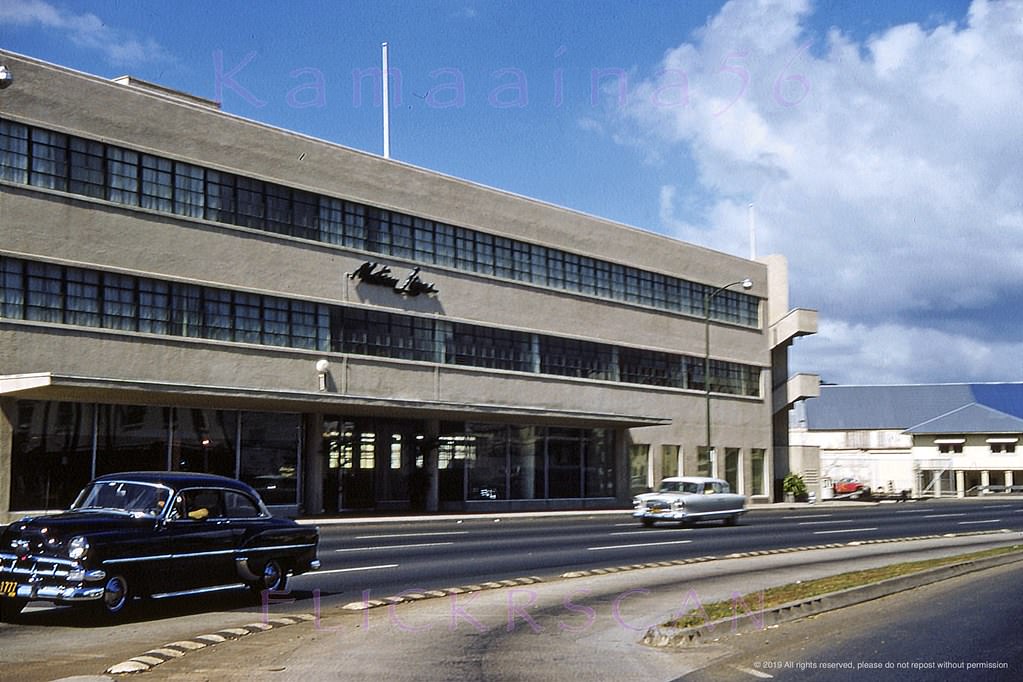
(678, 505)
(78, 547)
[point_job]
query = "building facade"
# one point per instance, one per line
(185, 289)
(931, 439)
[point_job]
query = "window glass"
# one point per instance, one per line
(12, 288)
(271, 443)
(119, 310)
(132, 438)
(13, 152)
(49, 160)
(216, 314)
(154, 306)
(44, 296)
(51, 454)
(240, 506)
(251, 203)
(204, 440)
(189, 190)
(87, 166)
(83, 297)
(122, 176)
(157, 184)
(488, 465)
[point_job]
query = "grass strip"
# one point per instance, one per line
(776, 596)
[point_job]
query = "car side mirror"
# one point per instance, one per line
(198, 514)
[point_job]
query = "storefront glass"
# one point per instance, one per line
(51, 454)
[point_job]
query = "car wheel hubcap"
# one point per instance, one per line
(115, 594)
(271, 575)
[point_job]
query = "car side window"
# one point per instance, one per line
(240, 506)
(198, 504)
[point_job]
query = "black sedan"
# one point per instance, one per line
(151, 534)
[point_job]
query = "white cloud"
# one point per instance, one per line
(887, 170)
(85, 30)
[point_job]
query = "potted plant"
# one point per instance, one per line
(794, 488)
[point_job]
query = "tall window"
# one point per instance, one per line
(757, 472)
(670, 461)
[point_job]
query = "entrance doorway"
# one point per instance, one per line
(371, 463)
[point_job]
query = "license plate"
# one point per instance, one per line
(8, 588)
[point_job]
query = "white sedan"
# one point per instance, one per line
(685, 499)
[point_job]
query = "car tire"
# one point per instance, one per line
(732, 520)
(10, 609)
(273, 578)
(116, 598)
(649, 523)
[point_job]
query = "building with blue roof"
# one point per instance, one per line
(932, 439)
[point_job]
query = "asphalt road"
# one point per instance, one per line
(382, 559)
(378, 559)
(966, 628)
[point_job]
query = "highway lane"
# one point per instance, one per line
(428, 554)
(966, 628)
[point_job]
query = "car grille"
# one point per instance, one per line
(656, 504)
(39, 566)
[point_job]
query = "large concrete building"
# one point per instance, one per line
(185, 289)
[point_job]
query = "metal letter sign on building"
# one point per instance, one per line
(375, 273)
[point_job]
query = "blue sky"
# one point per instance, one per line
(877, 141)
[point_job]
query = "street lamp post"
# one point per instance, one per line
(747, 284)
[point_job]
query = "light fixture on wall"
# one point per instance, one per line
(6, 77)
(322, 367)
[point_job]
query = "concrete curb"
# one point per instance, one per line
(664, 636)
(154, 657)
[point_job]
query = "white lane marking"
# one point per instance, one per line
(411, 535)
(808, 516)
(941, 516)
(844, 530)
(821, 523)
(645, 544)
(914, 511)
(647, 531)
(375, 549)
(970, 523)
(313, 574)
(755, 673)
(996, 506)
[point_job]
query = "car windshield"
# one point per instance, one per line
(679, 487)
(133, 498)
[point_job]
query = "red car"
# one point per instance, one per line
(847, 486)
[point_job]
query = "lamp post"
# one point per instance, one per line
(747, 284)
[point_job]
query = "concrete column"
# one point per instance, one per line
(431, 429)
(1008, 479)
(7, 418)
(960, 484)
(937, 484)
(313, 464)
(985, 479)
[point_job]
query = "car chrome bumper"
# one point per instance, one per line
(663, 515)
(59, 593)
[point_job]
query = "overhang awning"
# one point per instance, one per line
(52, 386)
(1003, 440)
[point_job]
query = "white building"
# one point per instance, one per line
(932, 439)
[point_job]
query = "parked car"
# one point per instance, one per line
(848, 486)
(685, 499)
(150, 534)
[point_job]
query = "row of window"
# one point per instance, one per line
(46, 292)
(43, 158)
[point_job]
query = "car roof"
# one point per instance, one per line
(691, 479)
(177, 479)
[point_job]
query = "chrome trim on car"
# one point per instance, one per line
(199, 590)
(59, 593)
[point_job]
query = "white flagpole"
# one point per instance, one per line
(387, 104)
